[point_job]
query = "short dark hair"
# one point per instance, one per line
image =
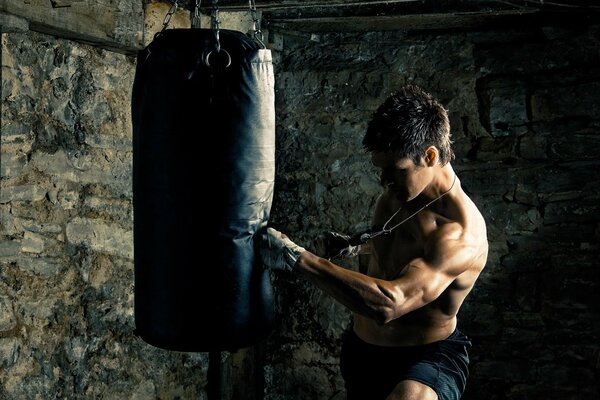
(408, 122)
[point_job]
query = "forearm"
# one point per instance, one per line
(360, 293)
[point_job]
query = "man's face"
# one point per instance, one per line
(401, 176)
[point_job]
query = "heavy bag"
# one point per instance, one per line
(203, 174)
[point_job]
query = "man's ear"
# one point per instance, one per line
(431, 156)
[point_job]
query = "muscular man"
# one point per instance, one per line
(428, 245)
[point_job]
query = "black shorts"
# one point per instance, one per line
(372, 372)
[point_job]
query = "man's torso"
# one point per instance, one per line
(390, 254)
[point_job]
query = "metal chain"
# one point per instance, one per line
(216, 23)
(258, 35)
(195, 15)
(172, 11)
(368, 235)
(385, 230)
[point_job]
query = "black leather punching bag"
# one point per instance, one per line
(203, 173)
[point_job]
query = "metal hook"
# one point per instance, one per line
(207, 58)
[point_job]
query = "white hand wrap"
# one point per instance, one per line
(278, 251)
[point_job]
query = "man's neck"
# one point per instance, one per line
(443, 182)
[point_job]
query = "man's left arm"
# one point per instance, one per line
(447, 255)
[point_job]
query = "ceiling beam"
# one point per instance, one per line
(435, 21)
(117, 26)
(380, 15)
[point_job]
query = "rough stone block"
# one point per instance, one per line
(526, 262)
(22, 193)
(493, 149)
(7, 317)
(519, 336)
(112, 170)
(480, 319)
(9, 248)
(32, 243)
(505, 107)
(117, 209)
(101, 237)
(567, 177)
(38, 312)
(571, 212)
(9, 351)
(573, 147)
(533, 147)
(532, 55)
(559, 375)
(109, 142)
(526, 194)
(527, 291)
(45, 267)
(333, 317)
(578, 99)
(14, 159)
(523, 319)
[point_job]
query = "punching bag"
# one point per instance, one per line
(203, 174)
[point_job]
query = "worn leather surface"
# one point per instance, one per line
(203, 173)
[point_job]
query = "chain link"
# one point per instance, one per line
(195, 15)
(172, 11)
(258, 35)
(216, 23)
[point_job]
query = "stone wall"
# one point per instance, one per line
(66, 268)
(523, 107)
(523, 113)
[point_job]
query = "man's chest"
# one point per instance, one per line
(393, 251)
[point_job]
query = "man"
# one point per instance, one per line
(428, 245)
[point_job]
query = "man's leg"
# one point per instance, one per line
(412, 390)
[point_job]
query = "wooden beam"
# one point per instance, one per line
(391, 23)
(432, 22)
(113, 25)
(10, 23)
(282, 4)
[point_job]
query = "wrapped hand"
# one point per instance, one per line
(337, 245)
(277, 251)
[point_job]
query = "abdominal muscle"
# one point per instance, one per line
(433, 322)
(422, 326)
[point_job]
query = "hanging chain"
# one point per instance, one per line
(352, 248)
(258, 35)
(216, 23)
(195, 15)
(172, 11)
(385, 230)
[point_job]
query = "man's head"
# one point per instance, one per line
(409, 122)
(409, 137)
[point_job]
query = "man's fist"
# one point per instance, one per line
(336, 245)
(277, 251)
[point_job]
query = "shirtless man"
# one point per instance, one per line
(428, 246)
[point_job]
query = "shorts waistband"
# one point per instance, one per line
(456, 335)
